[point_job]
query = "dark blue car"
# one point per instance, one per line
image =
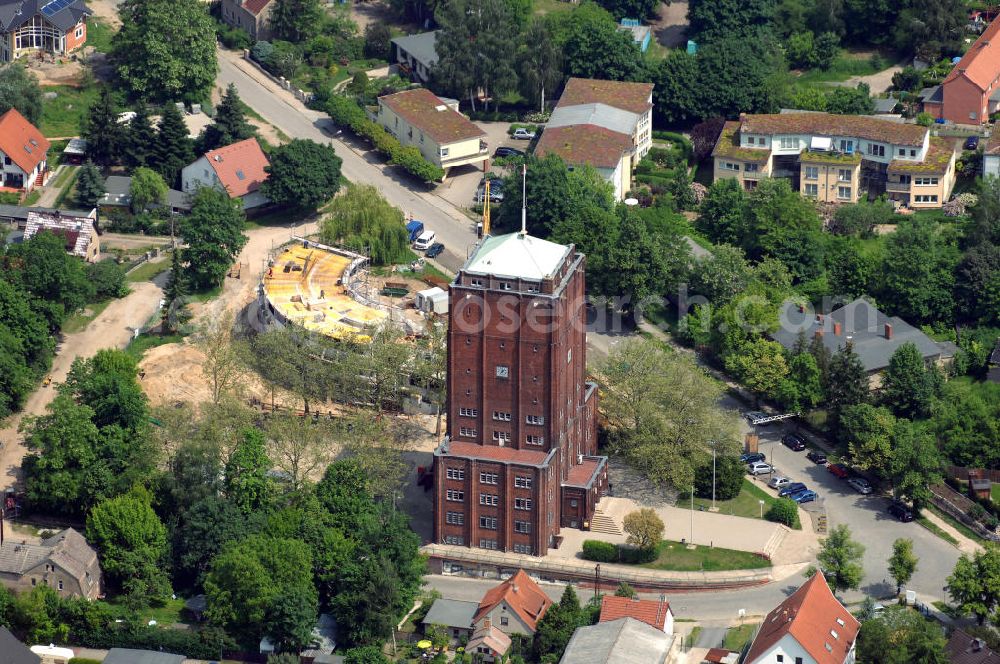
(434, 250)
(794, 487)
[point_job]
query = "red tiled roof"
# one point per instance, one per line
(829, 124)
(981, 63)
(240, 166)
(255, 7)
(634, 97)
(523, 596)
(21, 141)
(490, 636)
(718, 655)
(425, 111)
(651, 612)
(581, 474)
(584, 144)
(497, 453)
(811, 616)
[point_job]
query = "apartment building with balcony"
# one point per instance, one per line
(444, 136)
(838, 158)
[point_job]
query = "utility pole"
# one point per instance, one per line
(692, 515)
(597, 580)
(713, 474)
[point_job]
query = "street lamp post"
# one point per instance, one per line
(761, 508)
(713, 474)
(692, 515)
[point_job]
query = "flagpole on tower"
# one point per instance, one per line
(524, 199)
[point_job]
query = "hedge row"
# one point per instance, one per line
(679, 139)
(606, 552)
(345, 113)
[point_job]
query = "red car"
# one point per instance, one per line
(839, 469)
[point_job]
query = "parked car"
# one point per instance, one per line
(971, 143)
(861, 485)
(806, 496)
(425, 240)
(839, 470)
(434, 250)
(759, 468)
(789, 489)
(793, 442)
(507, 152)
(752, 457)
(901, 511)
(816, 457)
(778, 481)
(523, 134)
(754, 417)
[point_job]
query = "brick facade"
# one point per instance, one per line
(521, 417)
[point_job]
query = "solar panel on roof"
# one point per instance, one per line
(240, 175)
(51, 8)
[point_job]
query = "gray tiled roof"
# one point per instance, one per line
(451, 613)
(622, 641)
(602, 115)
(15, 13)
(130, 656)
(15, 652)
(420, 46)
(68, 549)
(864, 326)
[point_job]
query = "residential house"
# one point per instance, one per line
(488, 643)
(251, 16)
(809, 627)
(607, 124)
(652, 612)
(17, 215)
(131, 656)
(965, 649)
(15, 652)
(454, 615)
(53, 654)
(78, 232)
(64, 561)
(621, 641)
(324, 639)
(24, 151)
(641, 34)
(721, 656)
(991, 155)
(118, 194)
(873, 335)
(515, 606)
(970, 93)
(237, 169)
(58, 27)
(445, 137)
(834, 158)
(415, 55)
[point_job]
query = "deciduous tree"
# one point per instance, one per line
(246, 483)
(214, 236)
(297, 20)
(644, 528)
(539, 65)
(909, 386)
(902, 562)
(596, 48)
(974, 585)
(148, 188)
(362, 220)
(840, 559)
(302, 174)
(19, 89)
(868, 433)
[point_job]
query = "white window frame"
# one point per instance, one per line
(522, 482)
(468, 412)
(455, 496)
(455, 518)
(812, 172)
(788, 142)
(522, 504)
(538, 420)
(523, 527)
(845, 193)
(501, 436)
(501, 416)
(488, 522)
(534, 440)
(845, 175)
(489, 499)
(811, 190)
(488, 478)
(467, 432)
(455, 473)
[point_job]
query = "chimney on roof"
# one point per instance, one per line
(977, 645)
(487, 623)
(513, 587)
(819, 334)
(743, 117)
(819, 318)
(888, 330)
(836, 329)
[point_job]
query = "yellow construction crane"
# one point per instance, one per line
(486, 208)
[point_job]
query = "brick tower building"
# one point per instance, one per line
(519, 461)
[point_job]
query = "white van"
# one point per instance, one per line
(424, 240)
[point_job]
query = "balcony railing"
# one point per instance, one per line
(901, 187)
(753, 175)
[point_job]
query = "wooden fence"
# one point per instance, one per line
(962, 473)
(957, 506)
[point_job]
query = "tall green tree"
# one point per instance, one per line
(140, 139)
(916, 463)
(19, 89)
(165, 50)
(846, 382)
(595, 48)
(173, 145)
(297, 20)
(42, 268)
(148, 188)
(868, 432)
(840, 559)
(761, 367)
(89, 184)
(214, 235)
(909, 386)
(974, 585)
(899, 635)
(363, 220)
(918, 272)
(640, 9)
(739, 75)
(302, 174)
(675, 91)
(229, 125)
(475, 49)
(246, 483)
(557, 626)
(105, 137)
(902, 563)
(132, 543)
(714, 20)
(539, 65)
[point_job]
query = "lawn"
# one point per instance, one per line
(844, 67)
(148, 270)
(956, 524)
(693, 636)
(933, 528)
(80, 320)
(205, 296)
(99, 35)
(62, 116)
(676, 557)
(548, 6)
(67, 185)
(737, 637)
(139, 346)
(165, 615)
(745, 504)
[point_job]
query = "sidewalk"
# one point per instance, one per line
(965, 545)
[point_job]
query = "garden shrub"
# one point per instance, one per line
(729, 473)
(631, 555)
(600, 552)
(786, 511)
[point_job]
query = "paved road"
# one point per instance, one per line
(456, 230)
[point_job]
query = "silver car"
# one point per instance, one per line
(759, 468)
(861, 485)
(778, 481)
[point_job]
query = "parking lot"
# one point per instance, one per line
(865, 515)
(460, 186)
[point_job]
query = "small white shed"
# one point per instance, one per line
(432, 300)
